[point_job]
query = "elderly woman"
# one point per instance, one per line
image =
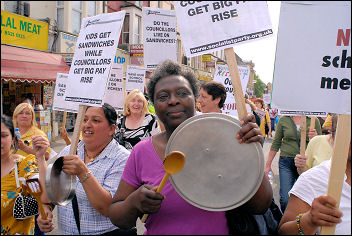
(136, 123)
(27, 168)
(173, 92)
(24, 119)
(98, 165)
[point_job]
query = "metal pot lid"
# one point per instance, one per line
(60, 186)
(219, 174)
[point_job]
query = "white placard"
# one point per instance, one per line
(159, 36)
(94, 54)
(135, 78)
(59, 103)
(216, 25)
(114, 94)
(266, 98)
(313, 58)
(222, 75)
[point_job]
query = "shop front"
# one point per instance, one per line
(30, 73)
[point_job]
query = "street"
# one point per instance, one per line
(59, 144)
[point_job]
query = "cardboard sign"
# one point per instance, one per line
(222, 75)
(114, 94)
(94, 55)
(313, 58)
(159, 36)
(135, 78)
(59, 103)
(215, 25)
(266, 98)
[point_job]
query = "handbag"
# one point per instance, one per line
(25, 206)
(240, 221)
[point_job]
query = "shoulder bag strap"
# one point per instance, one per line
(76, 213)
(16, 176)
(294, 127)
(123, 122)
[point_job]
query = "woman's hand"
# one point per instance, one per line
(146, 199)
(300, 161)
(40, 145)
(250, 131)
(63, 133)
(46, 225)
(21, 145)
(321, 214)
(73, 165)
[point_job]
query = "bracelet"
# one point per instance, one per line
(86, 177)
(298, 220)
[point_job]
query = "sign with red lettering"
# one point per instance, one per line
(313, 58)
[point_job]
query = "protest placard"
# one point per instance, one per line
(114, 94)
(266, 98)
(222, 75)
(210, 26)
(59, 103)
(215, 25)
(94, 55)
(322, 50)
(159, 36)
(135, 78)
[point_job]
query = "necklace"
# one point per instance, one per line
(91, 158)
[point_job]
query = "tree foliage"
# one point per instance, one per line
(259, 86)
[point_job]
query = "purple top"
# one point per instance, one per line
(176, 216)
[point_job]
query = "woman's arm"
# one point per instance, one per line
(313, 217)
(99, 198)
(130, 203)
(261, 200)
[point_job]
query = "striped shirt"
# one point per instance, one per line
(107, 168)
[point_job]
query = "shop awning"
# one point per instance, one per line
(21, 64)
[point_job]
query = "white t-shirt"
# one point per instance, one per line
(314, 183)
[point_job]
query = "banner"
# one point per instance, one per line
(114, 94)
(313, 58)
(159, 36)
(135, 78)
(59, 103)
(216, 25)
(222, 75)
(94, 54)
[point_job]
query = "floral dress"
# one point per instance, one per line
(27, 167)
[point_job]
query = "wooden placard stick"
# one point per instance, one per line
(338, 163)
(303, 135)
(75, 137)
(236, 82)
(312, 122)
(64, 120)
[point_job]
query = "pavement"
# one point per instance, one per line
(58, 144)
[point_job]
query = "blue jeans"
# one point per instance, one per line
(288, 176)
(272, 120)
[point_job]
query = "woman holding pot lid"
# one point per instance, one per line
(98, 165)
(27, 168)
(173, 92)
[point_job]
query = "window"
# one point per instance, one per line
(10, 6)
(137, 29)
(76, 16)
(91, 8)
(126, 29)
(60, 14)
(178, 49)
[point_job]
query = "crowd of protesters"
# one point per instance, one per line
(120, 157)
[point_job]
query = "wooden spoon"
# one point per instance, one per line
(173, 163)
